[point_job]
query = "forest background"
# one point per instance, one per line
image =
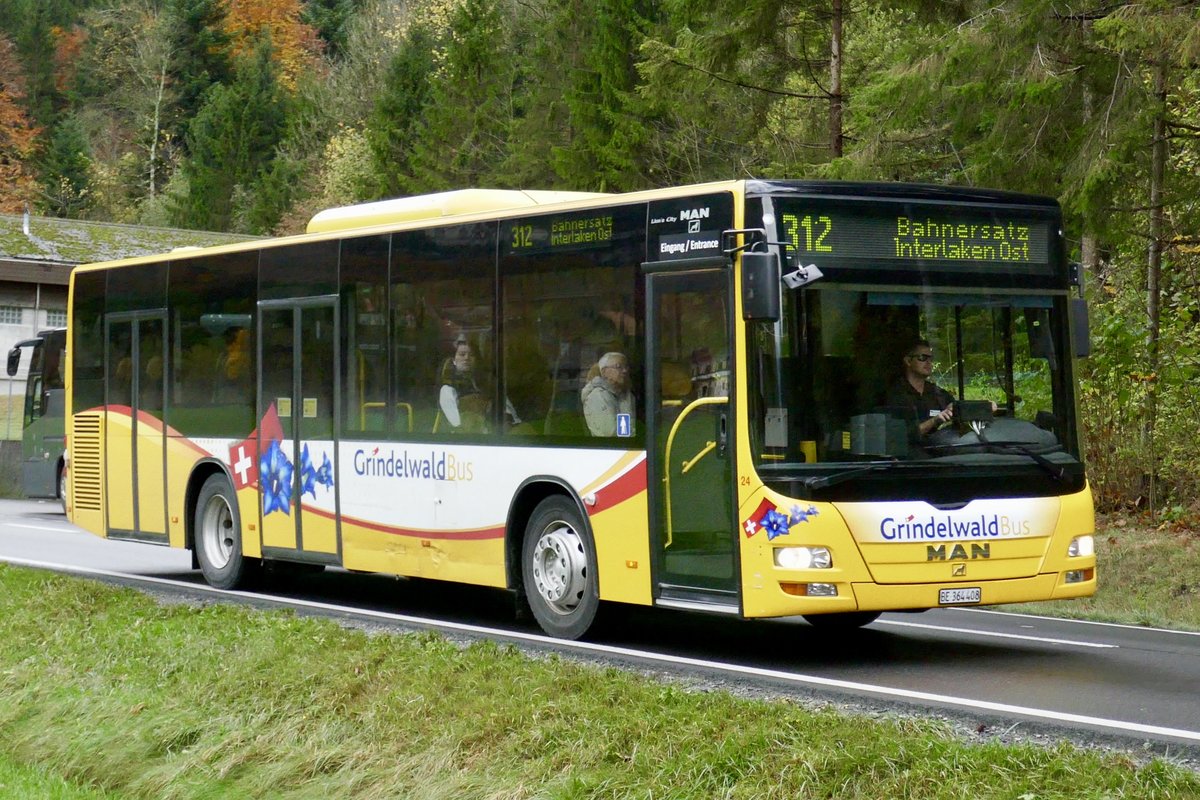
(251, 115)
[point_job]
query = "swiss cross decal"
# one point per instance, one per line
(243, 459)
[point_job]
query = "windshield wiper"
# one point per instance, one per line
(1056, 471)
(822, 481)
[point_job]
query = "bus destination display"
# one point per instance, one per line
(934, 235)
(563, 231)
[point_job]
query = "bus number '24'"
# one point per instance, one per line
(815, 232)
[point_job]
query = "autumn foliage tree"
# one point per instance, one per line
(295, 44)
(18, 135)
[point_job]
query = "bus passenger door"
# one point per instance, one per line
(298, 496)
(690, 448)
(134, 431)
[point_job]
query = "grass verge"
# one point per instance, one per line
(1149, 575)
(23, 782)
(108, 688)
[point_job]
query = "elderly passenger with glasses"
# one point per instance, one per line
(609, 395)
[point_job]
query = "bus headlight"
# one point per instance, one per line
(1082, 546)
(803, 558)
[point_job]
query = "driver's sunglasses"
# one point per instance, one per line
(922, 357)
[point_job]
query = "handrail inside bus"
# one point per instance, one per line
(687, 465)
(362, 412)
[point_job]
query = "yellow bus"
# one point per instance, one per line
(684, 398)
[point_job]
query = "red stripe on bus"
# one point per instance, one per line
(629, 484)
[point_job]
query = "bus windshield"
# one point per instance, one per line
(835, 383)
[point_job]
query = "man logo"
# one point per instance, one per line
(959, 571)
(959, 553)
(694, 226)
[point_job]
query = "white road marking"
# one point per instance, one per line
(997, 634)
(1077, 621)
(41, 528)
(971, 704)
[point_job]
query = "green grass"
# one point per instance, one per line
(109, 688)
(1148, 575)
(23, 782)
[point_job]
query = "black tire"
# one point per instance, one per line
(62, 486)
(217, 536)
(844, 621)
(558, 569)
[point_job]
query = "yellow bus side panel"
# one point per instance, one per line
(150, 488)
(118, 467)
(318, 531)
(623, 551)
(181, 460)
(475, 557)
(248, 509)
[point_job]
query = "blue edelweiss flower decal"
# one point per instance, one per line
(325, 473)
(276, 472)
(774, 523)
(801, 515)
(308, 475)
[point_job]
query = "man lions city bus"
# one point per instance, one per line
(401, 390)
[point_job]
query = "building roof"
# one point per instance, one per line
(55, 245)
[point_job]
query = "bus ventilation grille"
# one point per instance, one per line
(85, 462)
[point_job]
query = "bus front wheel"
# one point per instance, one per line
(558, 564)
(218, 536)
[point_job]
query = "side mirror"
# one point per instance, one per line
(760, 286)
(14, 361)
(1080, 328)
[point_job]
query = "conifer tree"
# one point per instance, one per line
(597, 46)
(66, 184)
(464, 138)
(394, 124)
(201, 56)
(232, 142)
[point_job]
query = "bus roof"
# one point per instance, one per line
(433, 206)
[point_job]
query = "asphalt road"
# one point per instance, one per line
(993, 674)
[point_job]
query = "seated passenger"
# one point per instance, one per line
(463, 403)
(607, 399)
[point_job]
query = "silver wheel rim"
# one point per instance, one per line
(62, 488)
(216, 531)
(560, 567)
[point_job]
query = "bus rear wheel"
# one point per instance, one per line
(843, 621)
(558, 569)
(218, 536)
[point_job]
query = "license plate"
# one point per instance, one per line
(954, 597)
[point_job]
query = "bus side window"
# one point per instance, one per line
(364, 338)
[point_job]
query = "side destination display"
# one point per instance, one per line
(573, 230)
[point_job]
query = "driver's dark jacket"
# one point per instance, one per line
(917, 405)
